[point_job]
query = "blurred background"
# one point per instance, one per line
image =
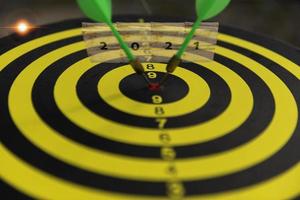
(276, 18)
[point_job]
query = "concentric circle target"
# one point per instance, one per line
(72, 129)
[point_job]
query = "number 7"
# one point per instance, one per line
(161, 122)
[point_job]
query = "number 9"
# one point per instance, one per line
(152, 75)
(157, 99)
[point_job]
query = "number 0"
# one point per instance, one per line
(135, 46)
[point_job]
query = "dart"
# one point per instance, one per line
(205, 9)
(101, 11)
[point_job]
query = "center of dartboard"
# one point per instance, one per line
(134, 87)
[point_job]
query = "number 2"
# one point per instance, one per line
(103, 46)
(169, 45)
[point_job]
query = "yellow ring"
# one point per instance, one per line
(241, 97)
(103, 162)
(197, 96)
(15, 171)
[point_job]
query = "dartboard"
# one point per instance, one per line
(74, 129)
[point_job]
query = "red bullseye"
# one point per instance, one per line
(154, 86)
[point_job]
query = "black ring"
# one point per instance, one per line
(256, 122)
(133, 86)
(88, 94)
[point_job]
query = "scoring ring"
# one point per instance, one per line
(94, 123)
(135, 87)
(197, 96)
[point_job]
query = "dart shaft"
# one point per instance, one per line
(188, 38)
(136, 65)
(123, 45)
(173, 63)
(176, 59)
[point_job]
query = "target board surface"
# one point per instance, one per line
(72, 129)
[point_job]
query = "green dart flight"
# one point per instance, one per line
(101, 11)
(205, 9)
